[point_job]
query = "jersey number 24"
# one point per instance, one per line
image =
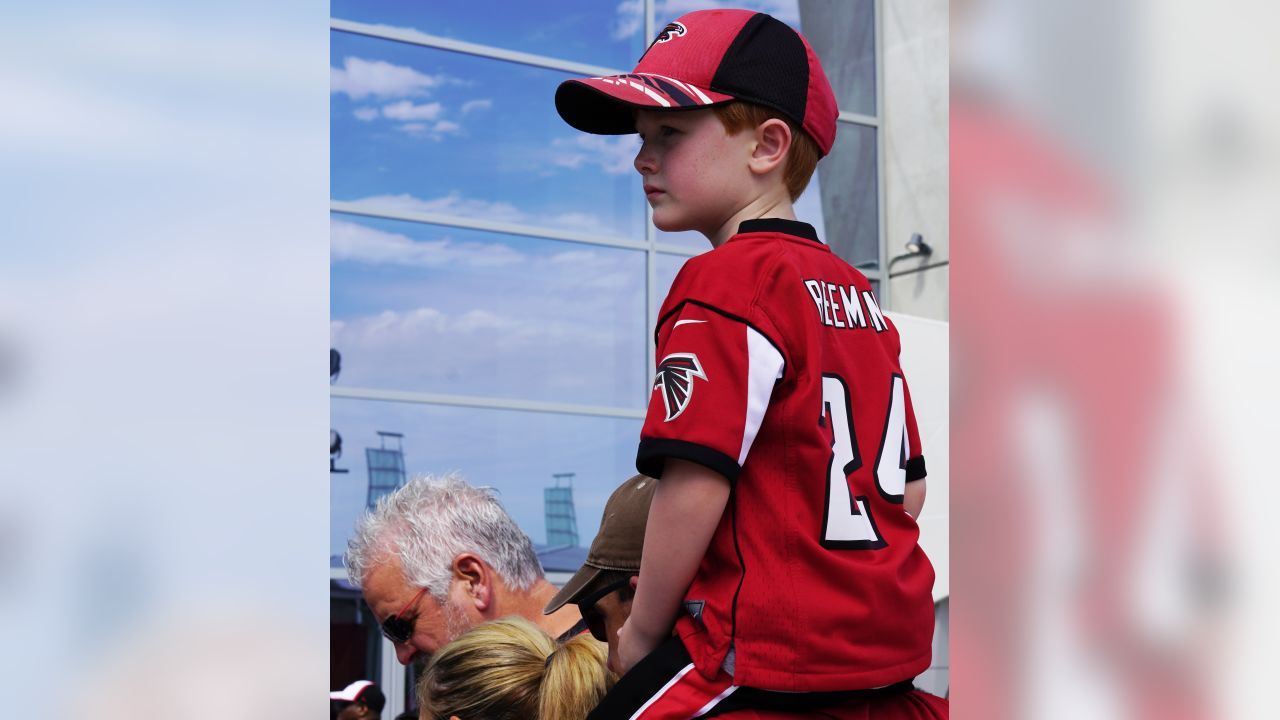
(847, 522)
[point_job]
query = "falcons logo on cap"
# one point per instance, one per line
(674, 29)
(675, 380)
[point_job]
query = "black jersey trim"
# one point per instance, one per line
(757, 699)
(643, 681)
(742, 568)
(915, 468)
(653, 454)
(778, 225)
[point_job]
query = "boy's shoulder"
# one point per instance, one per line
(764, 266)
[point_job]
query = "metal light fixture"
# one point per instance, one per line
(916, 247)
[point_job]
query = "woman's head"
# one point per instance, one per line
(510, 670)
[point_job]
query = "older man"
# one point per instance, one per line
(438, 557)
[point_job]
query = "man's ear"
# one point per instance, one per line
(635, 580)
(772, 142)
(476, 578)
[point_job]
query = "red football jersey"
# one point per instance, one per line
(777, 369)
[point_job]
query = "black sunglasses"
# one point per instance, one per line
(398, 628)
(593, 617)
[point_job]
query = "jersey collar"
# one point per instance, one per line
(778, 225)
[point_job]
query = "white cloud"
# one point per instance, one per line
(576, 220)
(445, 126)
(366, 113)
(413, 128)
(612, 153)
(407, 110)
(451, 204)
(353, 242)
(482, 104)
(359, 78)
(629, 20)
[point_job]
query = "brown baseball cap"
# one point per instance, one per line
(618, 543)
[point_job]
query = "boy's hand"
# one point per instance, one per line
(634, 645)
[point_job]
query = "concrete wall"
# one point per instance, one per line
(914, 36)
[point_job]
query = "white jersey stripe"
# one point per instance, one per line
(683, 671)
(764, 368)
(715, 701)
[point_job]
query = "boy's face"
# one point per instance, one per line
(695, 173)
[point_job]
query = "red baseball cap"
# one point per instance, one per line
(707, 58)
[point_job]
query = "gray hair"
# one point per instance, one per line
(428, 522)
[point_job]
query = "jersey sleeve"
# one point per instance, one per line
(715, 376)
(915, 453)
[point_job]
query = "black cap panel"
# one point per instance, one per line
(766, 64)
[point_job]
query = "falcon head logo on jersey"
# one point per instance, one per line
(675, 380)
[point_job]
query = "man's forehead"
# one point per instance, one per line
(384, 584)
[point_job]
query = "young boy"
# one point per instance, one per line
(781, 543)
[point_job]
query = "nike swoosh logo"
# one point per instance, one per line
(686, 322)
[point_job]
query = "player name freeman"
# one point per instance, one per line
(839, 306)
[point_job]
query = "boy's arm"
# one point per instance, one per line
(686, 508)
(913, 500)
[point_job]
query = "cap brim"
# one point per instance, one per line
(350, 692)
(606, 105)
(574, 589)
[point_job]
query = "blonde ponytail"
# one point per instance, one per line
(510, 669)
(575, 680)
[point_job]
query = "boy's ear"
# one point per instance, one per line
(772, 143)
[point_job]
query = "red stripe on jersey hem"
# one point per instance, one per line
(654, 453)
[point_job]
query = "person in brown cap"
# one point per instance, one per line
(605, 584)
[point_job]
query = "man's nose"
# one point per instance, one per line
(405, 653)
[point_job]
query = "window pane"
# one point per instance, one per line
(666, 268)
(843, 34)
(600, 33)
(424, 130)
(683, 239)
(435, 309)
(849, 206)
(515, 452)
